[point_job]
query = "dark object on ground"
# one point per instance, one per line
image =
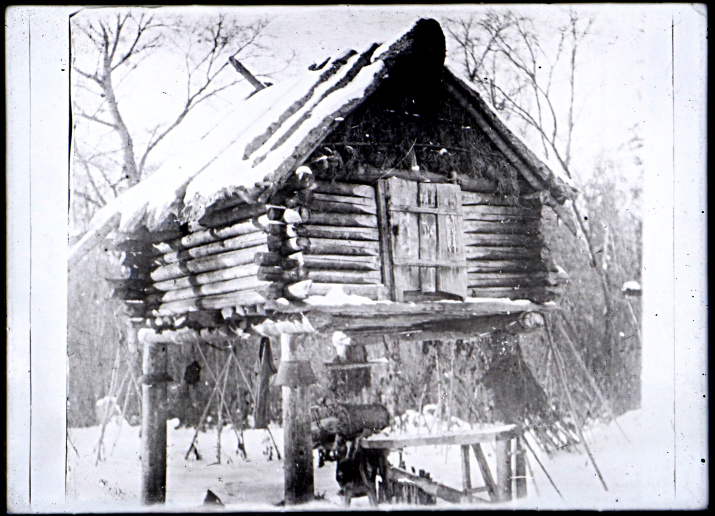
(192, 374)
(212, 499)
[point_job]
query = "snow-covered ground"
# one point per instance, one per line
(629, 461)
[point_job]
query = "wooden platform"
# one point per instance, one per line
(508, 445)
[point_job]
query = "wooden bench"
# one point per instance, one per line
(508, 444)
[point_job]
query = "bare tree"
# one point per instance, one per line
(114, 156)
(531, 78)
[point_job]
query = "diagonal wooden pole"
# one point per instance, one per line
(562, 374)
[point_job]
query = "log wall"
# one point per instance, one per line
(342, 239)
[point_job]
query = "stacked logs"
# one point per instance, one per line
(208, 265)
(282, 263)
(505, 252)
(341, 240)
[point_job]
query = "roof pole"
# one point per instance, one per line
(154, 409)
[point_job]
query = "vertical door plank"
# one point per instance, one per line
(405, 235)
(428, 236)
(451, 242)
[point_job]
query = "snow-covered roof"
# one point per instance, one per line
(273, 131)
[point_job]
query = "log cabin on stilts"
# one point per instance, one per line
(377, 195)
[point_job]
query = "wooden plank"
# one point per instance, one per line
(318, 206)
(486, 472)
(520, 469)
(385, 237)
(466, 471)
(504, 473)
(352, 277)
(538, 294)
(450, 233)
(427, 197)
(355, 190)
(343, 219)
(496, 217)
(429, 486)
(424, 263)
(405, 234)
(347, 233)
(345, 247)
(498, 240)
(342, 262)
(371, 175)
(467, 437)
(207, 263)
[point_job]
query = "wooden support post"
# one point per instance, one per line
(298, 443)
(154, 408)
(520, 469)
(486, 474)
(504, 473)
(466, 471)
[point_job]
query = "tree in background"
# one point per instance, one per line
(531, 78)
(114, 149)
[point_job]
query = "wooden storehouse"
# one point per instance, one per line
(377, 194)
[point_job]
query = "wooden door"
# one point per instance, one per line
(426, 240)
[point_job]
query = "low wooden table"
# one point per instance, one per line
(508, 444)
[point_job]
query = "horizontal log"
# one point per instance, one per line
(488, 199)
(346, 420)
(502, 240)
(341, 262)
(317, 206)
(289, 246)
(351, 277)
(228, 217)
(230, 244)
(276, 260)
(239, 271)
(507, 279)
(208, 236)
(354, 190)
(343, 233)
(145, 236)
(501, 253)
(298, 215)
(207, 263)
(221, 287)
(217, 302)
(299, 182)
(343, 219)
(510, 211)
(345, 199)
(346, 247)
(371, 175)
(282, 275)
(494, 217)
(479, 266)
(374, 292)
(190, 336)
(498, 227)
(291, 199)
(538, 295)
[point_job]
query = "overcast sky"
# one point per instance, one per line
(623, 77)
